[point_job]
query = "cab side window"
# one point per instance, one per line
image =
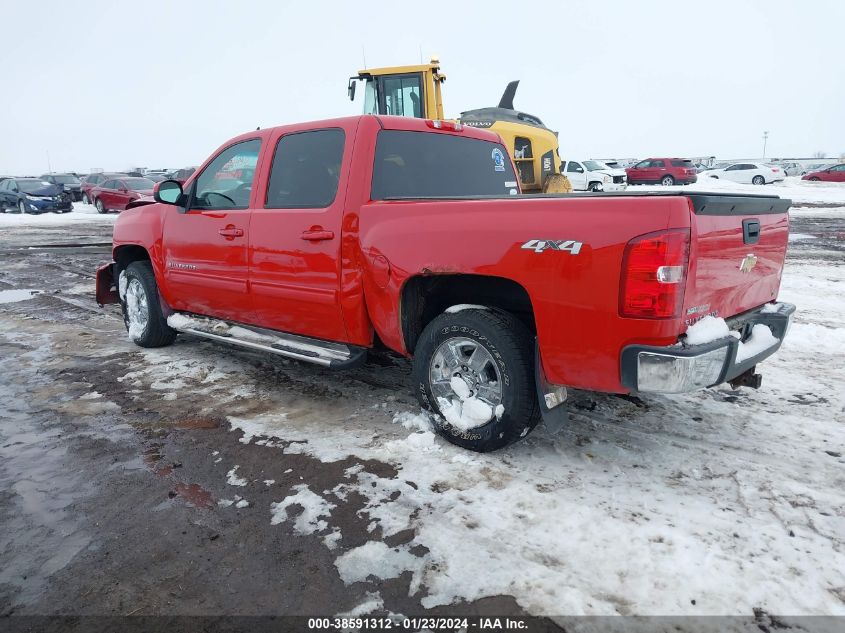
(306, 170)
(109, 184)
(573, 167)
(226, 183)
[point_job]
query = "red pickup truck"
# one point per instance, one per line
(318, 241)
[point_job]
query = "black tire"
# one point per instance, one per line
(85, 199)
(511, 345)
(815, 179)
(667, 181)
(155, 332)
(22, 207)
(758, 180)
(101, 208)
(595, 187)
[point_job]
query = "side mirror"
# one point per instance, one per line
(350, 89)
(168, 192)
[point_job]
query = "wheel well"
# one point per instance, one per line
(425, 297)
(125, 255)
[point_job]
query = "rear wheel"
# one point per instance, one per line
(667, 181)
(758, 180)
(475, 368)
(100, 207)
(142, 313)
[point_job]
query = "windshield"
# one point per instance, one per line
(594, 165)
(66, 179)
(32, 184)
(421, 165)
(139, 184)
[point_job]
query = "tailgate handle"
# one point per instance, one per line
(750, 231)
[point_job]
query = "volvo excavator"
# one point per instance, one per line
(416, 91)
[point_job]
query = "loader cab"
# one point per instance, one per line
(412, 91)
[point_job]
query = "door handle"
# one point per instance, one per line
(230, 231)
(317, 235)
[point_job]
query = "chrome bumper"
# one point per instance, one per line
(679, 369)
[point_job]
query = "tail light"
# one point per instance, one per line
(654, 274)
(437, 124)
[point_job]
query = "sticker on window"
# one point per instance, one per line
(498, 159)
(510, 183)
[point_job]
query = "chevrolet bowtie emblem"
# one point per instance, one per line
(748, 263)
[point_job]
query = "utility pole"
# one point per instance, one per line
(49, 166)
(765, 138)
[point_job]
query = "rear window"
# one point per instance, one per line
(681, 163)
(422, 165)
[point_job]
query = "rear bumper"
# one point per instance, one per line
(678, 369)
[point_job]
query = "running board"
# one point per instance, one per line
(309, 350)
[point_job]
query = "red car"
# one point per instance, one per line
(92, 180)
(664, 171)
(114, 194)
(319, 241)
(831, 174)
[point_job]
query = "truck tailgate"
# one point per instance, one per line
(737, 251)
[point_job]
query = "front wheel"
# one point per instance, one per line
(85, 199)
(667, 181)
(475, 368)
(596, 187)
(142, 313)
(100, 206)
(758, 180)
(22, 207)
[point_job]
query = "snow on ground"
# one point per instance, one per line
(716, 502)
(82, 213)
(797, 190)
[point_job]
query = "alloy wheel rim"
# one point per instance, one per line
(136, 305)
(469, 361)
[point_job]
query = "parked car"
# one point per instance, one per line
(664, 171)
(116, 193)
(791, 168)
(834, 173)
(593, 175)
(92, 180)
(69, 182)
(352, 233)
(815, 167)
(33, 195)
(749, 173)
(181, 175)
(155, 177)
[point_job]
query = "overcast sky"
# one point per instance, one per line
(162, 84)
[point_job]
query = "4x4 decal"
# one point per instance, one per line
(538, 246)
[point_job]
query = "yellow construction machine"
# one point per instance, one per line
(415, 91)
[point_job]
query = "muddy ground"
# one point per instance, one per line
(110, 489)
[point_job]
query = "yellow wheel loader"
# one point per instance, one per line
(415, 91)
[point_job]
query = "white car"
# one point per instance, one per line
(750, 173)
(593, 175)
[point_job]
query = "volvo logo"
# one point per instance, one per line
(748, 263)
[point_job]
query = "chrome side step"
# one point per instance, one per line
(309, 350)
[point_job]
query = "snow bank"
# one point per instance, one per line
(315, 510)
(706, 330)
(233, 480)
(82, 213)
(797, 190)
(760, 340)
